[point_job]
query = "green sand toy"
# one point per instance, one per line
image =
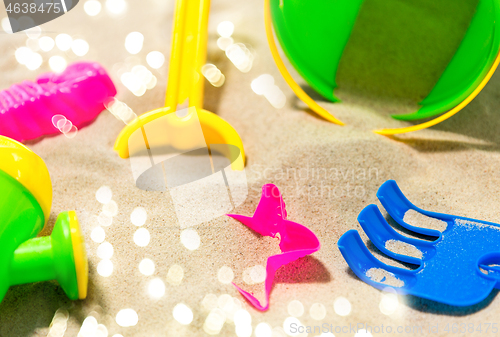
(453, 46)
(25, 201)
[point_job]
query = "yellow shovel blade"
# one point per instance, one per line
(215, 130)
(185, 82)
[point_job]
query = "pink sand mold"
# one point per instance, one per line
(78, 93)
(269, 219)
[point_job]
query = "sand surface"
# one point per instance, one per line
(327, 175)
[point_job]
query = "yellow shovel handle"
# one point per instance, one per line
(188, 54)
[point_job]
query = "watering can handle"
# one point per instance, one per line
(188, 54)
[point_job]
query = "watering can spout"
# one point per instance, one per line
(25, 204)
(60, 257)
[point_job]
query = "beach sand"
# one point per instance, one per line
(326, 173)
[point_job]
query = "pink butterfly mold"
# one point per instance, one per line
(78, 93)
(270, 219)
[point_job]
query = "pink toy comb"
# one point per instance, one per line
(78, 93)
(269, 219)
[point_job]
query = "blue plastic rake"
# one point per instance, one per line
(461, 267)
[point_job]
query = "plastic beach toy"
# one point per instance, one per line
(459, 268)
(315, 33)
(270, 219)
(185, 84)
(78, 93)
(25, 202)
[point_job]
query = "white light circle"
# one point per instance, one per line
(142, 237)
(89, 326)
(110, 209)
(295, 308)
(101, 331)
(6, 25)
(80, 47)
(190, 239)
(262, 84)
(98, 235)
(214, 322)
(33, 44)
(104, 194)
(127, 318)
(175, 274)
(116, 7)
(105, 268)
(139, 216)
(243, 331)
(317, 311)
(156, 288)
(183, 314)
(105, 219)
(134, 42)
(152, 83)
(276, 97)
(224, 42)
(263, 330)
(279, 332)
(57, 119)
(147, 267)
(92, 7)
(342, 306)
(34, 62)
(363, 333)
(33, 32)
(242, 317)
(57, 63)
(225, 28)
(258, 274)
(209, 302)
(105, 251)
(63, 41)
(23, 54)
(155, 59)
(290, 325)
(46, 43)
(63, 124)
(389, 303)
(225, 275)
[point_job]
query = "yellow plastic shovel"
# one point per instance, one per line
(186, 84)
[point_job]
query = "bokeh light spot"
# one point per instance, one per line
(105, 268)
(104, 194)
(63, 41)
(155, 59)
(342, 306)
(156, 288)
(127, 318)
(147, 267)
(190, 239)
(225, 275)
(92, 7)
(142, 237)
(183, 314)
